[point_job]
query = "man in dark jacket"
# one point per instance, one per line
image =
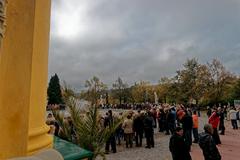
(107, 122)
(171, 120)
(148, 129)
(178, 146)
(187, 124)
(138, 128)
(208, 145)
(222, 117)
(161, 120)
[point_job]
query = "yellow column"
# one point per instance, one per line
(23, 78)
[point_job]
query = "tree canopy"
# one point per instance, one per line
(195, 83)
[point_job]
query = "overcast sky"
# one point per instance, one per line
(140, 39)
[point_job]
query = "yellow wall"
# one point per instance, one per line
(23, 78)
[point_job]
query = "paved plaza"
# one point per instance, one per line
(229, 148)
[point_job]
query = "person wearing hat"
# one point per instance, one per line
(208, 145)
(178, 147)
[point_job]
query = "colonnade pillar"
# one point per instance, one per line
(23, 78)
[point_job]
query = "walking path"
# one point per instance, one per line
(230, 148)
(160, 151)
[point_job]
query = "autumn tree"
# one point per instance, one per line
(140, 91)
(94, 89)
(67, 91)
(202, 85)
(164, 90)
(236, 90)
(187, 79)
(221, 81)
(192, 85)
(120, 90)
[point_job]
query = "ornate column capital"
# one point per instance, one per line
(2, 18)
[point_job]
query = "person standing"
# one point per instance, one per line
(138, 128)
(119, 131)
(187, 124)
(171, 120)
(238, 116)
(108, 121)
(233, 117)
(209, 111)
(166, 110)
(214, 121)
(222, 117)
(225, 111)
(207, 144)
(154, 115)
(128, 131)
(162, 119)
(198, 111)
(148, 129)
(178, 147)
(195, 126)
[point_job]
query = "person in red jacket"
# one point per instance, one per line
(214, 121)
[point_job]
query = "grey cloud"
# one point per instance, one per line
(142, 39)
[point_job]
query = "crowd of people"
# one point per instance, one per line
(176, 120)
(133, 128)
(180, 142)
(141, 123)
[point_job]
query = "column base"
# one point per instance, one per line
(39, 139)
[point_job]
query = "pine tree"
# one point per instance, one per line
(54, 91)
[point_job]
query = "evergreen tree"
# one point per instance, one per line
(54, 91)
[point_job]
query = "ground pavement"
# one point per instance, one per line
(230, 148)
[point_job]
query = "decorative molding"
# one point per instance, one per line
(3, 4)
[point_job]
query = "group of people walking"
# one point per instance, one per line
(181, 122)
